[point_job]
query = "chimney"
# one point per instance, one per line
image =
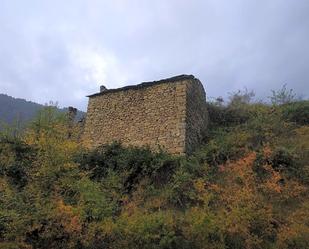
(102, 89)
(72, 113)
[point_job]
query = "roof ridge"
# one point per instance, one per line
(147, 84)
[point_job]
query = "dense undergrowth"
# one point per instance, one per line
(246, 187)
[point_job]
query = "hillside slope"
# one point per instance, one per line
(13, 109)
(247, 186)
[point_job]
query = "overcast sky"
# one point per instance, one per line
(62, 50)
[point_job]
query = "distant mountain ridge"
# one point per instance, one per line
(12, 109)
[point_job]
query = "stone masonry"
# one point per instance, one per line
(169, 114)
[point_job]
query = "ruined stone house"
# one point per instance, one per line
(169, 114)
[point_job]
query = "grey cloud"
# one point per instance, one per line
(62, 50)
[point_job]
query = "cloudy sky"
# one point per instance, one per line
(62, 50)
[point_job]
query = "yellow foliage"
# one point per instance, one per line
(68, 218)
(295, 232)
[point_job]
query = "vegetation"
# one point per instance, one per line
(246, 187)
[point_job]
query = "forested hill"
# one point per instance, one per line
(13, 109)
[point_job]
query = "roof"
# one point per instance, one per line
(146, 84)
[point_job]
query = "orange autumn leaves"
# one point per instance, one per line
(241, 179)
(68, 217)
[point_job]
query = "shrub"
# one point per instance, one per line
(132, 163)
(226, 116)
(297, 112)
(282, 96)
(17, 158)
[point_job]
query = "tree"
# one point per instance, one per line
(282, 96)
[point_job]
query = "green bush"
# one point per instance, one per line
(17, 158)
(226, 116)
(132, 163)
(297, 112)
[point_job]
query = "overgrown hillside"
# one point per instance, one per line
(246, 187)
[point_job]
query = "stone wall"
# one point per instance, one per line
(163, 114)
(196, 115)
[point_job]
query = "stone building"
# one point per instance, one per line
(169, 114)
